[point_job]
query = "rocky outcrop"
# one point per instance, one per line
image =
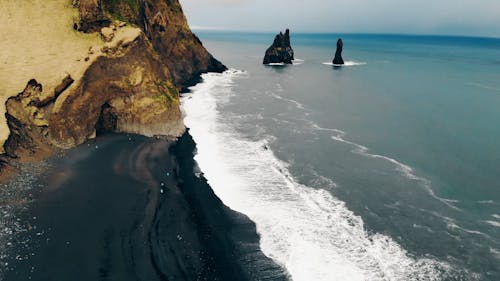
(139, 93)
(164, 24)
(338, 53)
(181, 50)
(25, 127)
(92, 15)
(280, 51)
(131, 84)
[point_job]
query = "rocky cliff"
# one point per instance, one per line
(166, 27)
(129, 81)
(280, 51)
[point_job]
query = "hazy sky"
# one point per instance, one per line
(463, 17)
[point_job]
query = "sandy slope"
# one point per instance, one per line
(38, 41)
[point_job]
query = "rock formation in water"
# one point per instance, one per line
(130, 83)
(280, 51)
(338, 53)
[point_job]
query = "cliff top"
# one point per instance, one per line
(38, 41)
(143, 44)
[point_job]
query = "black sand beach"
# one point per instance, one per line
(133, 208)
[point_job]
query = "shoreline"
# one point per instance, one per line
(127, 207)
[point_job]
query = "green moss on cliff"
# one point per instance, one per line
(175, 6)
(167, 90)
(123, 10)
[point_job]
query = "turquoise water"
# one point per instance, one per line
(407, 139)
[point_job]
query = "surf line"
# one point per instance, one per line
(306, 230)
(407, 171)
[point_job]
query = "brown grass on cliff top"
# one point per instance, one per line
(38, 41)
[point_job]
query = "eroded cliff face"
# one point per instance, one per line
(165, 25)
(128, 83)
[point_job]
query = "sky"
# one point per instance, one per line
(443, 17)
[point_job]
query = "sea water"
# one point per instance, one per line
(387, 168)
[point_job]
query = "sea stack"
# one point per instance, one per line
(280, 51)
(338, 54)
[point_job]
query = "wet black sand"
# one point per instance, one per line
(132, 208)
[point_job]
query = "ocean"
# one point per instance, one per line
(385, 169)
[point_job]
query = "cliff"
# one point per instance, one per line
(165, 25)
(94, 66)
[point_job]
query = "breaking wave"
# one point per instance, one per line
(306, 230)
(346, 63)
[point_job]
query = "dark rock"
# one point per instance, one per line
(26, 134)
(6, 169)
(280, 51)
(20, 137)
(44, 100)
(338, 54)
(166, 27)
(107, 120)
(32, 88)
(67, 81)
(92, 16)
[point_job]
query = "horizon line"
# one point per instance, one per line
(196, 28)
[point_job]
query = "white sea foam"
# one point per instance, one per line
(495, 252)
(346, 63)
(486, 202)
(298, 61)
(292, 101)
(279, 88)
(294, 62)
(483, 86)
(452, 225)
(307, 230)
(493, 223)
(496, 216)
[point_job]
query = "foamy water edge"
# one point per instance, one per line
(306, 230)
